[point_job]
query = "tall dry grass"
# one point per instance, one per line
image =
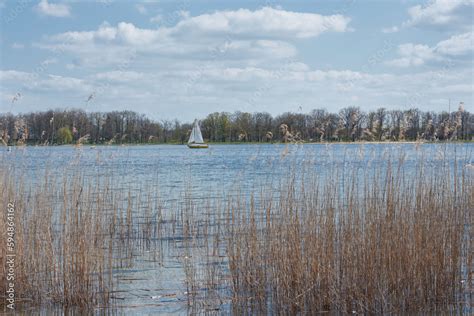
(388, 240)
(70, 235)
(61, 242)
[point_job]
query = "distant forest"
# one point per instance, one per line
(349, 124)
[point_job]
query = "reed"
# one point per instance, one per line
(70, 235)
(384, 241)
(60, 243)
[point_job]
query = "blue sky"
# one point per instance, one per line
(184, 59)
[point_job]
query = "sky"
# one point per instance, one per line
(184, 59)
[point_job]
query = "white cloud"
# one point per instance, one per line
(459, 88)
(141, 9)
(413, 55)
(18, 45)
(256, 36)
(157, 18)
(418, 54)
(440, 12)
(60, 83)
(105, 2)
(265, 22)
(392, 29)
(52, 9)
(49, 61)
(168, 93)
(123, 34)
(183, 14)
(457, 45)
(119, 76)
(36, 82)
(249, 89)
(14, 75)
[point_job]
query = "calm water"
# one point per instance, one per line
(170, 170)
(221, 167)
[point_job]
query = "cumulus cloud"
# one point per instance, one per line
(36, 82)
(457, 45)
(439, 12)
(413, 55)
(265, 22)
(263, 34)
(53, 9)
(418, 54)
(111, 45)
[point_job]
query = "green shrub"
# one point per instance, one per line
(64, 135)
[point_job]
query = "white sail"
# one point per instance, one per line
(196, 136)
(191, 137)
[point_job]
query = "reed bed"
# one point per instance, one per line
(70, 236)
(61, 252)
(387, 240)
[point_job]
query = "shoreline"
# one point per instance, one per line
(248, 143)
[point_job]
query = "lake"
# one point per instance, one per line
(221, 167)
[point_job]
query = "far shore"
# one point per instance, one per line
(249, 143)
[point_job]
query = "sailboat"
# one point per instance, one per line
(195, 139)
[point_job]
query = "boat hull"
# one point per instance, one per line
(198, 146)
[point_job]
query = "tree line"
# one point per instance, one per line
(349, 124)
